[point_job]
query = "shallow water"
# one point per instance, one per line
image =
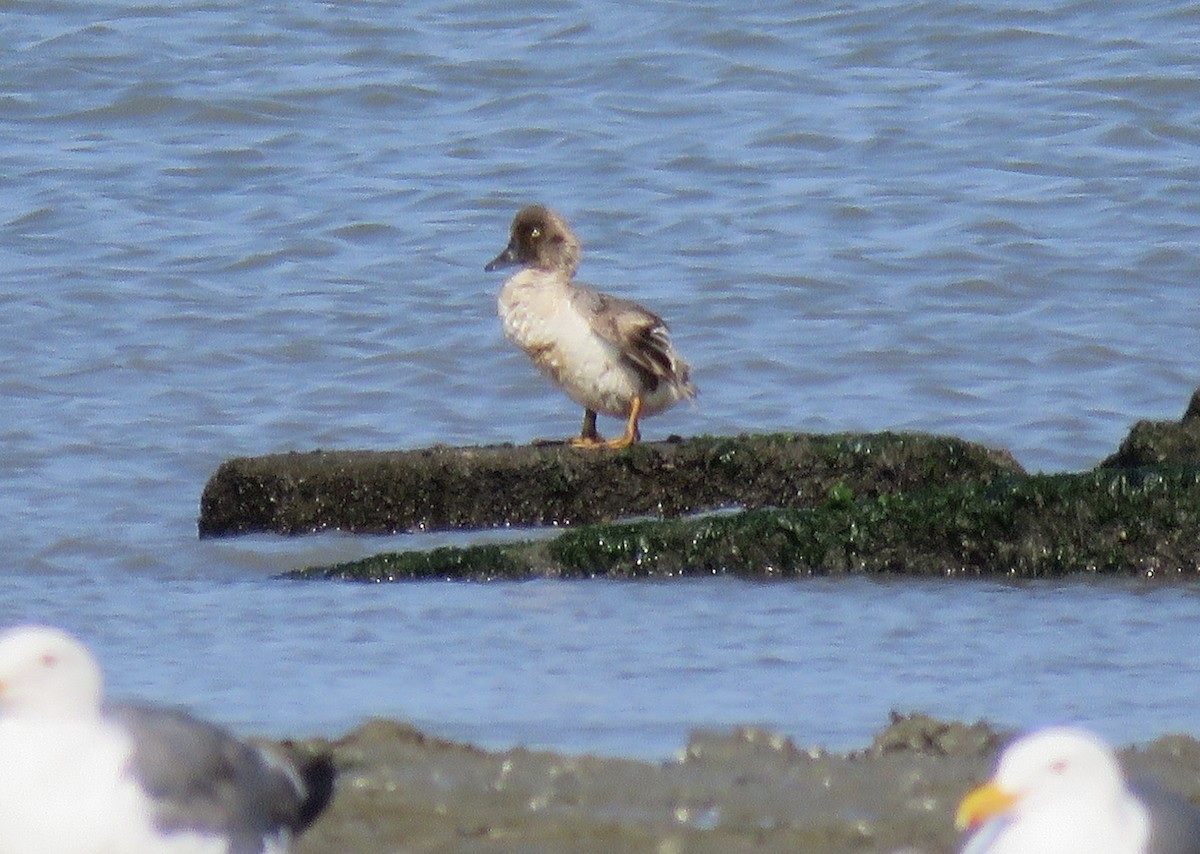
(242, 228)
(629, 668)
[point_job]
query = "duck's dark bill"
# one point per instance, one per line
(506, 258)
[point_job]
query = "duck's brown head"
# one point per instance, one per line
(540, 238)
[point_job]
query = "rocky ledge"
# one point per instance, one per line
(759, 506)
(373, 492)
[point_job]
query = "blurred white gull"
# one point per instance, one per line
(1061, 791)
(77, 777)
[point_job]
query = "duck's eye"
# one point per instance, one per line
(535, 232)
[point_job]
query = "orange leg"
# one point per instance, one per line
(589, 438)
(632, 433)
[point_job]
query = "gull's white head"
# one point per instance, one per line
(45, 671)
(1051, 786)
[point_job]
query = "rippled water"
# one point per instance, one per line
(236, 228)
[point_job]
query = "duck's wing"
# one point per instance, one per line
(641, 335)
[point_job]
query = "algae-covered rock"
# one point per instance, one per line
(1153, 443)
(924, 734)
(758, 506)
(1135, 521)
(474, 487)
(741, 790)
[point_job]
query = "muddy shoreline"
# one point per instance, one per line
(731, 791)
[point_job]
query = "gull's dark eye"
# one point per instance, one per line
(49, 660)
(1059, 766)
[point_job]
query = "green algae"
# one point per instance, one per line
(1141, 521)
(477, 563)
(758, 506)
(1152, 443)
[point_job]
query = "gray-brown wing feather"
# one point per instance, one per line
(640, 334)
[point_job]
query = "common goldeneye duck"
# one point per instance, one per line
(608, 354)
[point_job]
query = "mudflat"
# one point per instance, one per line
(741, 790)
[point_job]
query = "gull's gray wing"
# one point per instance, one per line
(203, 779)
(1174, 821)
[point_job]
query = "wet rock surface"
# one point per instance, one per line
(1133, 522)
(475, 487)
(743, 790)
(1155, 443)
(805, 505)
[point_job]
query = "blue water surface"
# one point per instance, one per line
(240, 228)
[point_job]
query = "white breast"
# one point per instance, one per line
(60, 787)
(539, 318)
(65, 788)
